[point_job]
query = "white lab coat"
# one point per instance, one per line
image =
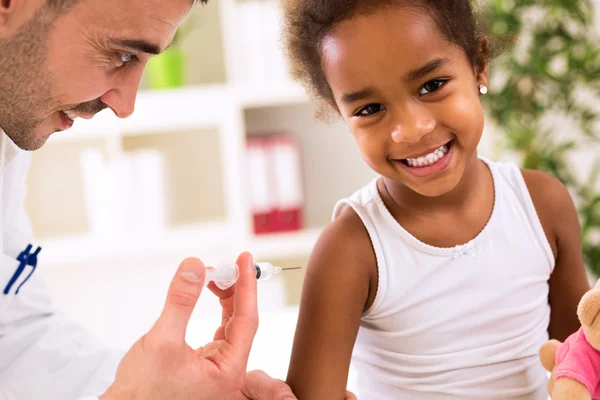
(43, 355)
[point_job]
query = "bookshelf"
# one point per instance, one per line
(201, 129)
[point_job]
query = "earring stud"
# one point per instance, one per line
(483, 89)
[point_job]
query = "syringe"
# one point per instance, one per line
(226, 274)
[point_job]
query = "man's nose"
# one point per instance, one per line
(121, 98)
(121, 102)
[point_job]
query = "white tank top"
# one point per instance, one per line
(456, 323)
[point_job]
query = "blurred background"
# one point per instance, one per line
(223, 154)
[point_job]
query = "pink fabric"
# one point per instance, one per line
(578, 360)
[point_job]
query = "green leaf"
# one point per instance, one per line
(543, 79)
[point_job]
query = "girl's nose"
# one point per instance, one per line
(412, 129)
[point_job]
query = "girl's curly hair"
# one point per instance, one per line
(308, 22)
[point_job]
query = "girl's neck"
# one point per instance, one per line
(458, 198)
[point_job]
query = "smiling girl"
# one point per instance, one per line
(442, 278)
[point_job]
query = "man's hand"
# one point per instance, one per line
(260, 386)
(162, 366)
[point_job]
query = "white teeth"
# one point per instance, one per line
(70, 114)
(428, 159)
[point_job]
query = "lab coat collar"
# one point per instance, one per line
(8, 150)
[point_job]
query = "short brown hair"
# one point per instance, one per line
(66, 4)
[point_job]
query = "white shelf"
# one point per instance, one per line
(80, 250)
(271, 94)
(205, 241)
(178, 109)
(193, 107)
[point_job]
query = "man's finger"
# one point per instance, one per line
(220, 293)
(242, 327)
(350, 396)
(260, 386)
(183, 294)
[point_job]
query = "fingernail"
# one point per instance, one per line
(190, 277)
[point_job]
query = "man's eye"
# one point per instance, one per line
(431, 87)
(371, 109)
(126, 58)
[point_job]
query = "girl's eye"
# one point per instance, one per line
(431, 87)
(371, 109)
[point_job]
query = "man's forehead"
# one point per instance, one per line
(150, 21)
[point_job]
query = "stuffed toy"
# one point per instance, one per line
(575, 364)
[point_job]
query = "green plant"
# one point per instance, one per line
(168, 69)
(544, 96)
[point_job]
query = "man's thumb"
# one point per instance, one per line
(260, 386)
(183, 294)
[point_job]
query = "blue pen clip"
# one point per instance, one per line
(32, 261)
(25, 259)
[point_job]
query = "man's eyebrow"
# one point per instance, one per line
(139, 45)
(357, 96)
(427, 69)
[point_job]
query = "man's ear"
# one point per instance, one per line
(6, 7)
(14, 12)
(482, 67)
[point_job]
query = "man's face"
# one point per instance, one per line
(59, 67)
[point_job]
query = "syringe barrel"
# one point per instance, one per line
(265, 270)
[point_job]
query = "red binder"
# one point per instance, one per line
(286, 177)
(275, 183)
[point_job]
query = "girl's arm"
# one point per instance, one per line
(568, 282)
(339, 284)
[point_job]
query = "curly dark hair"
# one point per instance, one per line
(308, 22)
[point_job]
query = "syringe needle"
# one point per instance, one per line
(289, 269)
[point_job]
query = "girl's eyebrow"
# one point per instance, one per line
(353, 97)
(419, 73)
(427, 69)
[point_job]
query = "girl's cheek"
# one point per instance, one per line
(465, 113)
(367, 148)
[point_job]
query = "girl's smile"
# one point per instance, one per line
(429, 163)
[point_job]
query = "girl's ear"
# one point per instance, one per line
(482, 69)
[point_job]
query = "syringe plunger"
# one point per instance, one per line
(227, 273)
